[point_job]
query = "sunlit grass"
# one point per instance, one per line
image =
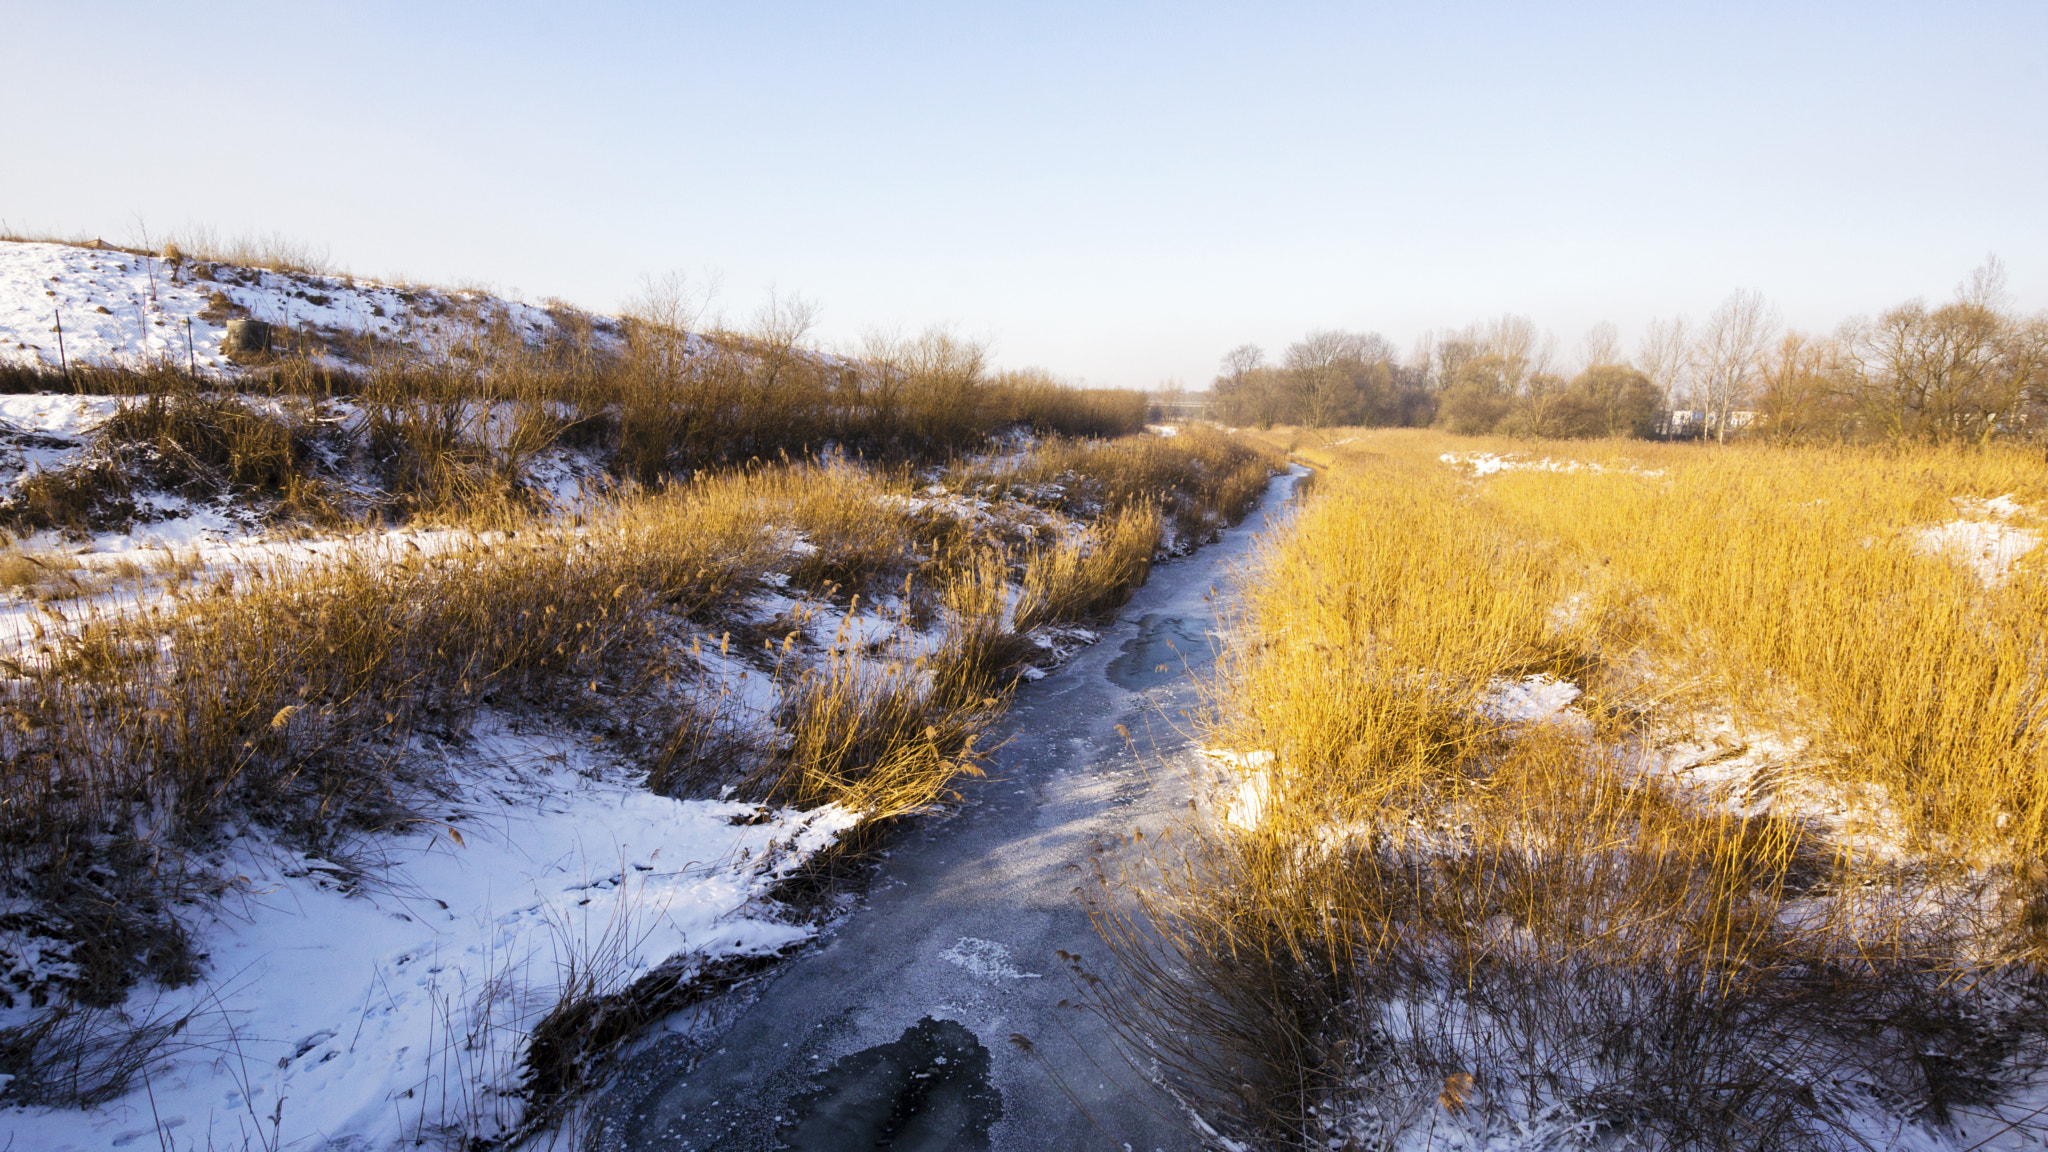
(1409, 897)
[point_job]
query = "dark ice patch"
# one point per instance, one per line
(1165, 650)
(926, 1091)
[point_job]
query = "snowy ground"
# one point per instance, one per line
(120, 309)
(373, 1001)
(1488, 463)
(44, 432)
(368, 1002)
(1984, 537)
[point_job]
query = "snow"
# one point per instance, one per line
(55, 415)
(395, 1003)
(127, 310)
(1248, 786)
(1983, 539)
(985, 959)
(1532, 700)
(1488, 463)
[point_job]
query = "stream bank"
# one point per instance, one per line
(896, 1031)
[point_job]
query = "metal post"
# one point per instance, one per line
(62, 361)
(191, 361)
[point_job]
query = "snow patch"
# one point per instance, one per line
(1983, 540)
(390, 996)
(125, 310)
(1488, 463)
(986, 959)
(1535, 699)
(1248, 789)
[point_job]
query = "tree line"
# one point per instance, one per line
(1972, 368)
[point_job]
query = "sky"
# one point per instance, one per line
(1116, 192)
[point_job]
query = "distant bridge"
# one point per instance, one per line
(1168, 409)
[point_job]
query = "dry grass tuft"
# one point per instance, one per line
(1092, 574)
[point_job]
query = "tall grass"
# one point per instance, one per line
(291, 691)
(292, 694)
(1200, 480)
(1091, 573)
(454, 432)
(1414, 914)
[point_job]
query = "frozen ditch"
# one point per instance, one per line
(960, 938)
(382, 994)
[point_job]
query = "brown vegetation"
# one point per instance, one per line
(1409, 912)
(1971, 369)
(292, 694)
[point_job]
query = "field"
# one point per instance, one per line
(1615, 794)
(557, 671)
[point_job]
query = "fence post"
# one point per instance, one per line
(63, 362)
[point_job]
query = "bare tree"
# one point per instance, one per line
(1800, 393)
(1665, 355)
(1521, 350)
(1964, 369)
(660, 318)
(1316, 364)
(1727, 354)
(1600, 347)
(1241, 361)
(1448, 357)
(1421, 359)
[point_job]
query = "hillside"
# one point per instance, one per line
(127, 309)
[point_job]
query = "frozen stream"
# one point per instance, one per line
(894, 1033)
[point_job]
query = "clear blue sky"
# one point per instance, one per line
(1118, 192)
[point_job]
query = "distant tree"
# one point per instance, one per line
(1449, 357)
(1478, 397)
(1805, 390)
(1412, 403)
(1600, 347)
(1664, 354)
(1226, 390)
(1608, 400)
(1240, 361)
(1497, 378)
(1317, 366)
(1243, 391)
(1728, 352)
(1967, 369)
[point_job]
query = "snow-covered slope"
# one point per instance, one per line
(384, 1001)
(121, 309)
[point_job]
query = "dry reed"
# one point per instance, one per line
(1413, 913)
